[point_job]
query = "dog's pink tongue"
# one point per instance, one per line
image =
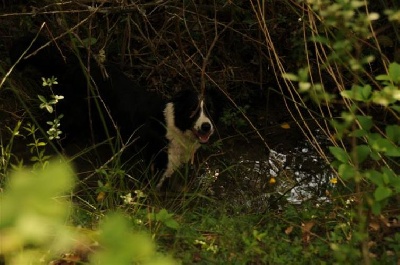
(204, 138)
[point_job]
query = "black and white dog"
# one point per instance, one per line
(188, 125)
(170, 132)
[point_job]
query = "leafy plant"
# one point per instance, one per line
(6, 149)
(365, 149)
(121, 246)
(32, 224)
(34, 208)
(379, 146)
(234, 118)
(165, 218)
(37, 146)
(54, 132)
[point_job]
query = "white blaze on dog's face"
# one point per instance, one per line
(203, 127)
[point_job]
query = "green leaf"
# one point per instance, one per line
(382, 193)
(361, 152)
(366, 122)
(366, 92)
(163, 215)
(395, 108)
(382, 78)
(360, 93)
(394, 72)
(89, 42)
(375, 156)
(339, 154)
(393, 133)
(379, 99)
(381, 144)
(304, 86)
(171, 223)
(290, 76)
(320, 39)
(303, 74)
(42, 99)
(347, 172)
(347, 94)
(393, 151)
(358, 133)
(376, 208)
(391, 178)
(45, 158)
(375, 177)
(49, 108)
(167, 219)
(121, 246)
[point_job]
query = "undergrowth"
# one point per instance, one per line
(322, 67)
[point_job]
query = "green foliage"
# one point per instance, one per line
(394, 243)
(365, 148)
(382, 146)
(6, 150)
(48, 104)
(34, 208)
(234, 118)
(389, 94)
(37, 146)
(33, 222)
(165, 218)
(54, 132)
(121, 246)
(310, 90)
(368, 144)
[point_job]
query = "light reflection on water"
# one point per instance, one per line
(300, 175)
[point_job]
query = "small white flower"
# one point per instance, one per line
(127, 198)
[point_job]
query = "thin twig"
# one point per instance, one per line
(21, 57)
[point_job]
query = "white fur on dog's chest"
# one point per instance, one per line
(181, 146)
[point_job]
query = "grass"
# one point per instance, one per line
(197, 226)
(287, 68)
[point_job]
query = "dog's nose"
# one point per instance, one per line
(205, 127)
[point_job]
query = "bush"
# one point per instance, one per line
(35, 208)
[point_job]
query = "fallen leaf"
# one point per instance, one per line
(371, 244)
(285, 125)
(306, 227)
(101, 196)
(374, 226)
(289, 230)
(306, 231)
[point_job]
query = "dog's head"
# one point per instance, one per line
(194, 113)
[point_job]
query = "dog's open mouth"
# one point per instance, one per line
(202, 136)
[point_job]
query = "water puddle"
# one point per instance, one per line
(295, 175)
